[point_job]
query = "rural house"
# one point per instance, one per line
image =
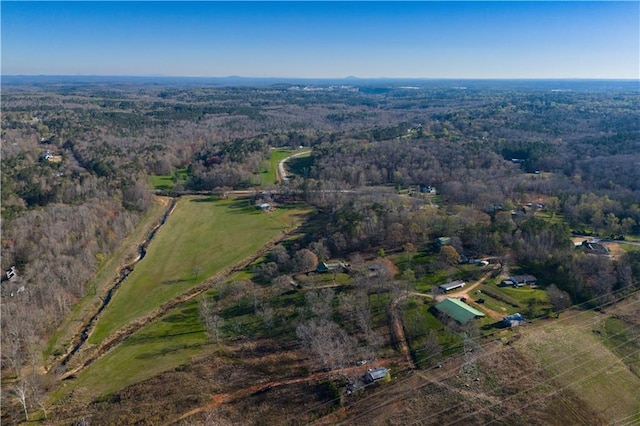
(330, 267)
(458, 310)
(520, 281)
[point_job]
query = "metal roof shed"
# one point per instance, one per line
(458, 310)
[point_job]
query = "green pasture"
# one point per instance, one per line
(168, 182)
(532, 302)
(160, 346)
(268, 169)
(201, 237)
(630, 247)
(108, 271)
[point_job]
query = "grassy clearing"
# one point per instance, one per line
(630, 247)
(622, 339)
(531, 302)
(200, 238)
(159, 347)
(268, 169)
(105, 276)
(168, 182)
(570, 351)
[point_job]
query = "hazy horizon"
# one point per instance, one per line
(323, 40)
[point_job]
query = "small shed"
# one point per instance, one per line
(595, 247)
(458, 310)
(513, 320)
(264, 206)
(11, 273)
(443, 241)
(375, 374)
(451, 286)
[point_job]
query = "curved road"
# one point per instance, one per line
(281, 170)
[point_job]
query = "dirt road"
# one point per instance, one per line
(467, 292)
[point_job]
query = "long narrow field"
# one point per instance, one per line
(105, 277)
(201, 237)
(269, 175)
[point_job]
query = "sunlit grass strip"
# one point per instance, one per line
(200, 238)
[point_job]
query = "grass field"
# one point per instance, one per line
(105, 276)
(576, 357)
(161, 346)
(168, 182)
(532, 300)
(201, 237)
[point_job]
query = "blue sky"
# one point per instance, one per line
(323, 39)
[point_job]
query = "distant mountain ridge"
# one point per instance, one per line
(454, 83)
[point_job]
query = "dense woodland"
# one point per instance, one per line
(76, 158)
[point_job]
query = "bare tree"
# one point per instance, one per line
(21, 391)
(212, 320)
(431, 348)
(559, 299)
(320, 303)
(330, 344)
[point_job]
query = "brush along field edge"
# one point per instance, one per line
(117, 337)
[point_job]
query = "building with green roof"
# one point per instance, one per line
(458, 310)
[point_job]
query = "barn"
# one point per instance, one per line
(458, 310)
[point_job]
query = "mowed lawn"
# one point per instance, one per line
(201, 237)
(577, 359)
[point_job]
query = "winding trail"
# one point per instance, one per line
(222, 398)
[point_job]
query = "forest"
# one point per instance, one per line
(511, 170)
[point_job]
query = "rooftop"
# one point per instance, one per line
(458, 310)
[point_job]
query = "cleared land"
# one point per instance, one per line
(201, 237)
(159, 347)
(105, 276)
(580, 359)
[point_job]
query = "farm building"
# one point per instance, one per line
(458, 310)
(451, 286)
(513, 320)
(329, 267)
(375, 374)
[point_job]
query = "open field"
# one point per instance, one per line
(159, 347)
(105, 276)
(201, 237)
(168, 182)
(573, 352)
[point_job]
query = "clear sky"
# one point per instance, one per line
(323, 39)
